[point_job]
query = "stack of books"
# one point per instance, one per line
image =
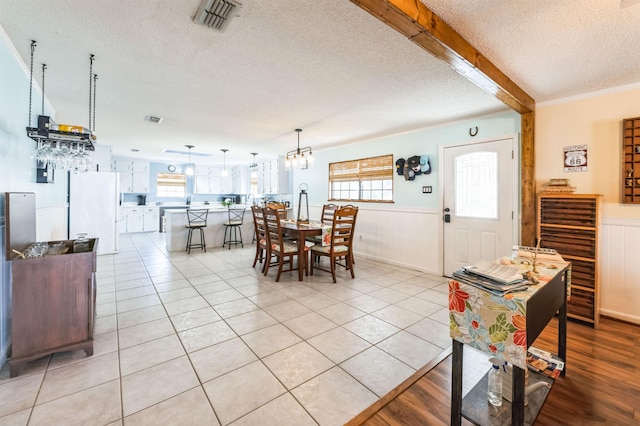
(493, 277)
(558, 185)
(544, 362)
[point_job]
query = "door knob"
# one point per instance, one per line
(447, 216)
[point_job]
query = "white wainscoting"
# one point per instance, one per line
(620, 269)
(403, 237)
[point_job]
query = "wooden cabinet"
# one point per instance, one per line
(631, 160)
(570, 224)
(53, 305)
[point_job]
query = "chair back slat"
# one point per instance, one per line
(281, 207)
(343, 225)
(273, 228)
(328, 211)
(197, 217)
(259, 223)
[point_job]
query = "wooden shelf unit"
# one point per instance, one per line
(570, 224)
(631, 160)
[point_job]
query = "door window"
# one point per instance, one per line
(476, 185)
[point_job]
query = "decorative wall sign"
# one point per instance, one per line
(575, 158)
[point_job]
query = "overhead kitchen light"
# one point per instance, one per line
(224, 164)
(189, 170)
(297, 156)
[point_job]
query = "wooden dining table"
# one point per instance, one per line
(300, 231)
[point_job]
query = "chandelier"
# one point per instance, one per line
(299, 157)
(254, 166)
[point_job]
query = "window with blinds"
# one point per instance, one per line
(171, 185)
(367, 179)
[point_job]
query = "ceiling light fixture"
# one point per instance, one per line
(254, 166)
(224, 163)
(189, 170)
(297, 156)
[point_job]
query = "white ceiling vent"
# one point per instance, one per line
(216, 13)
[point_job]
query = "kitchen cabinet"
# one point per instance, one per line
(150, 218)
(273, 178)
(134, 175)
(139, 219)
(208, 180)
(53, 304)
(241, 184)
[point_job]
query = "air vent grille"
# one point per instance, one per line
(153, 119)
(216, 13)
(194, 153)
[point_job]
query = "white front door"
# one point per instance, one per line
(479, 202)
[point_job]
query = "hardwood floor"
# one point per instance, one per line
(601, 386)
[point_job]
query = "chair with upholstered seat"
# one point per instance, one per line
(326, 218)
(342, 227)
(197, 219)
(261, 236)
(277, 246)
(233, 228)
(281, 207)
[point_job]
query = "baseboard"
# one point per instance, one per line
(396, 263)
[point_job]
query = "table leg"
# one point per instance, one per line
(301, 255)
(456, 383)
(517, 405)
(562, 327)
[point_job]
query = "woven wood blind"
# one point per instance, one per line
(171, 179)
(371, 168)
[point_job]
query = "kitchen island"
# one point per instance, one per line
(214, 232)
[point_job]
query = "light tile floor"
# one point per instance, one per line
(205, 339)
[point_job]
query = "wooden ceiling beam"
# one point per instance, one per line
(415, 21)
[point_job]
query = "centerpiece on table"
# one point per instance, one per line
(227, 202)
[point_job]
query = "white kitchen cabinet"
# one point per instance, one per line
(208, 180)
(140, 182)
(138, 219)
(226, 185)
(134, 175)
(241, 183)
(134, 219)
(273, 178)
(150, 221)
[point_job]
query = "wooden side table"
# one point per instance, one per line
(504, 327)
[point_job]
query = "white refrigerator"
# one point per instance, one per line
(93, 208)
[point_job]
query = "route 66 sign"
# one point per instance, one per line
(575, 158)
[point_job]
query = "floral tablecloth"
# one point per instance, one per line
(494, 324)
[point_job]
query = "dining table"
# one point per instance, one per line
(300, 231)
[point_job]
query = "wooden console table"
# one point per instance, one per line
(505, 326)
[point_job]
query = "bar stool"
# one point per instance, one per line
(197, 220)
(233, 227)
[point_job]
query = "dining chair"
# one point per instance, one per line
(353, 231)
(342, 227)
(197, 220)
(326, 218)
(261, 236)
(281, 207)
(277, 246)
(233, 227)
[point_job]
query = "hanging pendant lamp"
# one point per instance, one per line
(224, 172)
(189, 170)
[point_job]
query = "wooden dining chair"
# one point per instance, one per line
(261, 237)
(283, 250)
(281, 207)
(342, 227)
(327, 213)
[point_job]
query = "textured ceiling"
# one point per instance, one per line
(325, 66)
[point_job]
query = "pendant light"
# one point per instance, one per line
(297, 156)
(224, 172)
(189, 170)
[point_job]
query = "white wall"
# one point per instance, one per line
(18, 170)
(596, 120)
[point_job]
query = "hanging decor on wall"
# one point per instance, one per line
(413, 166)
